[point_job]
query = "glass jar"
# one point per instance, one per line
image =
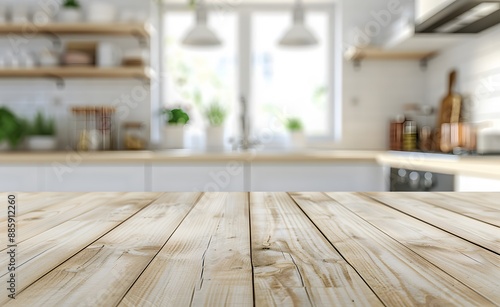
(410, 135)
(134, 136)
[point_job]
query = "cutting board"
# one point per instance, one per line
(451, 106)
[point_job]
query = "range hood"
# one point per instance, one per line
(458, 16)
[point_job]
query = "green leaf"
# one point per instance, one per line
(42, 126)
(216, 114)
(294, 124)
(71, 4)
(176, 117)
(12, 129)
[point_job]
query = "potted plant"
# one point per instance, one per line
(41, 133)
(175, 121)
(12, 129)
(70, 11)
(295, 129)
(216, 115)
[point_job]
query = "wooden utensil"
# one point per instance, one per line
(451, 106)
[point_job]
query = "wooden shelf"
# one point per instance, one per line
(77, 72)
(356, 54)
(140, 30)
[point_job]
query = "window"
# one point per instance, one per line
(195, 78)
(278, 82)
(290, 82)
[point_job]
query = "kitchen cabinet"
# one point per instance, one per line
(317, 177)
(188, 172)
(20, 178)
(476, 184)
(94, 178)
(189, 177)
(395, 34)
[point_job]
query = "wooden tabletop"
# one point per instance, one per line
(262, 249)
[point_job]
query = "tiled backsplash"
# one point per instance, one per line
(477, 61)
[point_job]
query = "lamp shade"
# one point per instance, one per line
(298, 35)
(201, 35)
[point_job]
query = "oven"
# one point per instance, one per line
(406, 180)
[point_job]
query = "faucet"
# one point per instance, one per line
(244, 142)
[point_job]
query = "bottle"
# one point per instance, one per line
(410, 135)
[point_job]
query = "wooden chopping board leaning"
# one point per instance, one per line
(449, 113)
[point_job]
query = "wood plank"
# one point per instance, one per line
(479, 233)
(489, 200)
(30, 202)
(83, 28)
(472, 209)
(294, 265)
(396, 274)
(44, 252)
(35, 222)
(358, 54)
(206, 262)
(477, 268)
(76, 72)
(102, 273)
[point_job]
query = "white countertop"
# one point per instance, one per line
(189, 156)
(481, 166)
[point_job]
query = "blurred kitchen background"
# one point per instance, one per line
(231, 75)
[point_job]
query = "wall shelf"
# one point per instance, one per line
(357, 54)
(77, 72)
(115, 29)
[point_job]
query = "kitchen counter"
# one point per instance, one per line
(480, 166)
(189, 156)
(255, 249)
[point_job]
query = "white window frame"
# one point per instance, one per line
(245, 52)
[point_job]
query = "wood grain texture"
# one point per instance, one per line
(44, 252)
(205, 263)
(294, 265)
(396, 274)
(477, 268)
(487, 200)
(473, 209)
(255, 249)
(30, 202)
(108, 267)
(485, 235)
(54, 212)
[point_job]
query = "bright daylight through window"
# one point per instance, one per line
(197, 77)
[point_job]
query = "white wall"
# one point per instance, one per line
(373, 94)
(477, 61)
